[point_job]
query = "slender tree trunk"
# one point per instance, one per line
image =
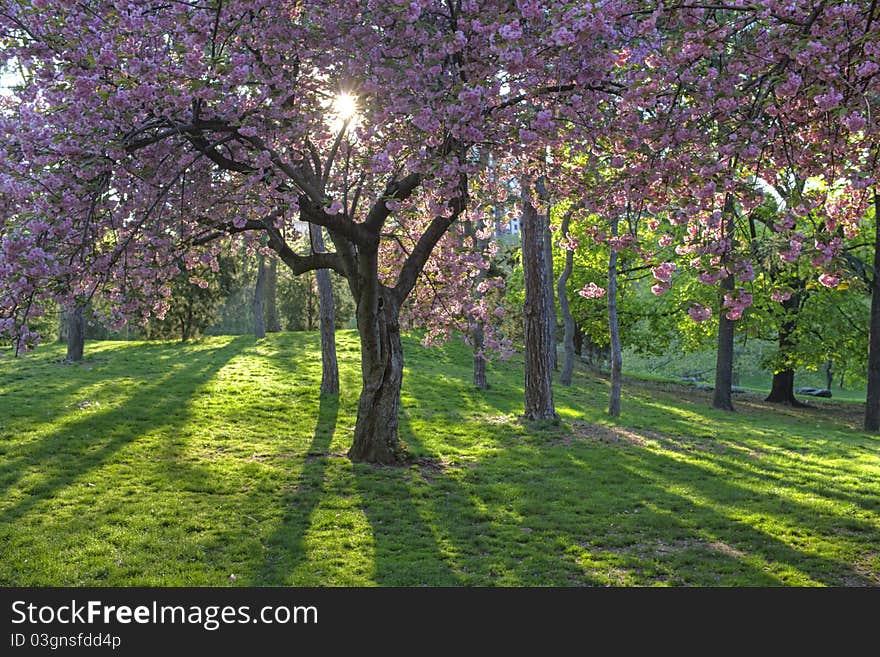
(62, 324)
(829, 374)
(578, 339)
(259, 298)
(471, 231)
(565, 310)
(548, 278)
(782, 387)
(615, 353)
(549, 292)
(478, 338)
(872, 399)
(76, 333)
(273, 320)
(538, 364)
(722, 397)
(327, 311)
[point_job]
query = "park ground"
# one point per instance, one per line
(165, 464)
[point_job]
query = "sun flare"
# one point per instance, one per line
(345, 106)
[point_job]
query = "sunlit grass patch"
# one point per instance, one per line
(162, 464)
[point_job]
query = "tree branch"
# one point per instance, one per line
(395, 190)
(416, 261)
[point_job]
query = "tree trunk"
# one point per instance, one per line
(63, 323)
(327, 311)
(549, 292)
(872, 399)
(782, 387)
(273, 320)
(829, 374)
(565, 309)
(259, 298)
(478, 338)
(478, 332)
(538, 364)
(76, 333)
(615, 353)
(722, 397)
(375, 433)
(578, 339)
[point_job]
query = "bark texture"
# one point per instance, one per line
(76, 333)
(327, 311)
(259, 299)
(539, 403)
(565, 310)
(615, 353)
(273, 319)
(782, 387)
(722, 398)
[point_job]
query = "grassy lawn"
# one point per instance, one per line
(161, 464)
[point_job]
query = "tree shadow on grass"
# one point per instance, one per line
(84, 444)
(539, 514)
(286, 546)
(407, 548)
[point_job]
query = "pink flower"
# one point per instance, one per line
(663, 271)
(335, 207)
(543, 121)
(592, 291)
(660, 288)
(829, 280)
(780, 295)
(828, 101)
(854, 122)
(737, 303)
(699, 312)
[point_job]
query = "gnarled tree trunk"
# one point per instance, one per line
(327, 308)
(76, 333)
(259, 298)
(615, 353)
(375, 434)
(538, 364)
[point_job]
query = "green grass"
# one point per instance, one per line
(161, 464)
(747, 372)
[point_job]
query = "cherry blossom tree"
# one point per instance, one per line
(147, 131)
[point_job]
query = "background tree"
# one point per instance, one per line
(194, 298)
